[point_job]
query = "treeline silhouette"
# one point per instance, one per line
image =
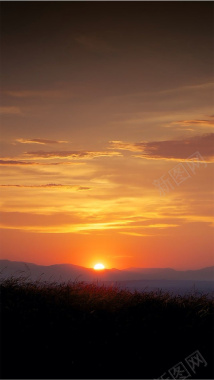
(79, 330)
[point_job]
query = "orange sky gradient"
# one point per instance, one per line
(94, 111)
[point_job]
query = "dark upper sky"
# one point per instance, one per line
(128, 45)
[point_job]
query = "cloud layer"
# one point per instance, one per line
(49, 186)
(71, 154)
(40, 141)
(171, 149)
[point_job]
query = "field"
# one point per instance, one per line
(86, 331)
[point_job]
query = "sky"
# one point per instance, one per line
(107, 133)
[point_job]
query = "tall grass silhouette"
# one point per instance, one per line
(80, 330)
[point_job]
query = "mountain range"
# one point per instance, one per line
(70, 272)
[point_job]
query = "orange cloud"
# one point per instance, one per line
(26, 163)
(40, 141)
(196, 122)
(10, 110)
(121, 145)
(49, 185)
(71, 154)
(171, 149)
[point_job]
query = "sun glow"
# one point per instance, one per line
(99, 266)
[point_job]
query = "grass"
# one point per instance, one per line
(80, 330)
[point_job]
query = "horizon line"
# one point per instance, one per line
(128, 268)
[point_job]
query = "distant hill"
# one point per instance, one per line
(70, 272)
(204, 274)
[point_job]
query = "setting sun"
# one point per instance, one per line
(99, 267)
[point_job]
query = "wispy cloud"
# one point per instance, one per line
(10, 162)
(35, 93)
(71, 154)
(122, 145)
(193, 123)
(171, 149)
(40, 141)
(49, 186)
(14, 163)
(10, 110)
(198, 86)
(135, 234)
(69, 228)
(85, 227)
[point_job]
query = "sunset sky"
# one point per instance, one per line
(100, 104)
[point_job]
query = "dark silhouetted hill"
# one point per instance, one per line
(66, 272)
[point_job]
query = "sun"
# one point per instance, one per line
(99, 266)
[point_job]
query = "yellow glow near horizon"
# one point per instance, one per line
(99, 266)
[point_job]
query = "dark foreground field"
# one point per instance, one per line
(86, 331)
